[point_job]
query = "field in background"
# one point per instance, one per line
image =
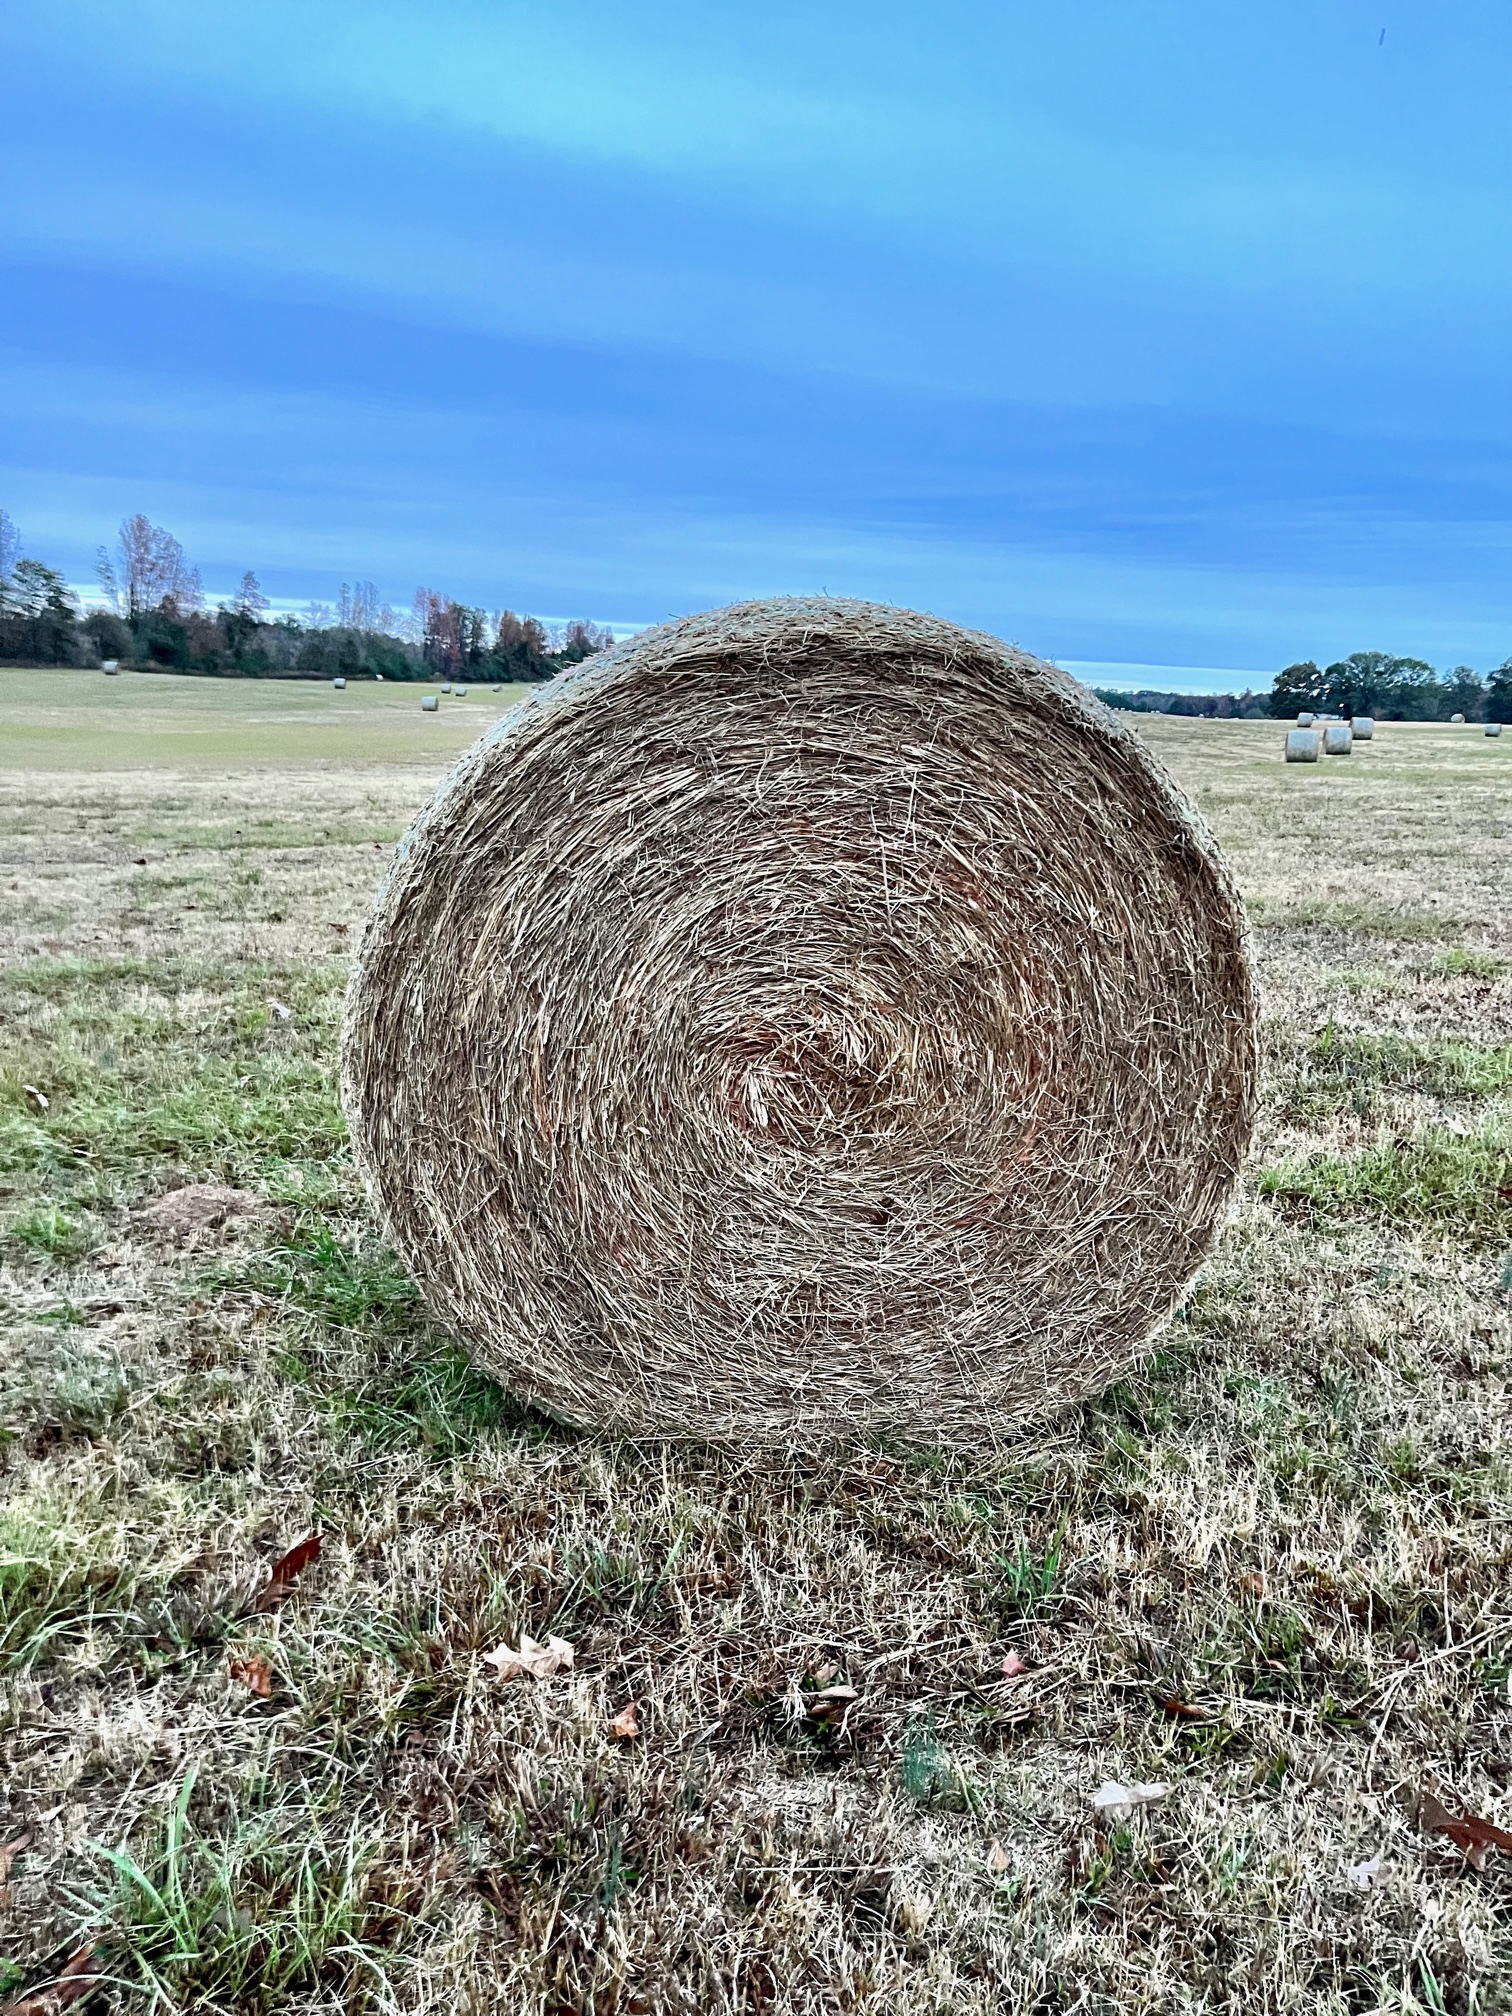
(1270, 1573)
(65, 720)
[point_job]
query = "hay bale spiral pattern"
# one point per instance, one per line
(805, 1019)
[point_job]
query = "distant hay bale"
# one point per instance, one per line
(430, 703)
(1303, 745)
(459, 692)
(1337, 740)
(110, 667)
(1456, 720)
(848, 1027)
(1305, 720)
(1363, 728)
(339, 684)
(1493, 727)
(447, 687)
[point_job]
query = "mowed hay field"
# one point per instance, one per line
(1270, 1573)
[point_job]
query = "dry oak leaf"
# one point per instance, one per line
(540, 1661)
(285, 1571)
(998, 1858)
(76, 1978)
(1113, 1801)
(253, 1671)
(1014, 1664)
(626, 1724)
(1469, 1833)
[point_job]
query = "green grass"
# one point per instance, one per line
(46, 1229)
(1434, 1180)
(249, 1915)
(1449, 1067)
(1343, 1072)
(167, 1071)
(1461, 959)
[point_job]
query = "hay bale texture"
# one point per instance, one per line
(804, 1019)
(1303, 745)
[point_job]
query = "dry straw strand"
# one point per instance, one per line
(808, 1019)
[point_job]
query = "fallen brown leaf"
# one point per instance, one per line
(76, 1978)
(998, 1858)
(1014, 1664)
(1181, 1711)
(286, 1570)
(9, 1850)
(1469, 1833)
(253, 1671)
(626, 1724)
(831, 1701)
(540, 1661)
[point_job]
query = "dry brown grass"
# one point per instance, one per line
(1293, 1520)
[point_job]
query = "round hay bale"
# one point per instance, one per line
(1337, 740)
(339, 684)
(1305, 720)
(1362, 727)
(459, 692)
(431, 704)
(447, 687)
(110, 667)
(1302, 745)
(1456, 720)
(849, 1029)
(1493, 728)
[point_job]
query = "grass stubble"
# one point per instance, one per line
(1293, 1521)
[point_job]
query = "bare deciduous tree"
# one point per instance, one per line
(105, 574)
(358, 606)
(154, 572)
(250, 600)
(10, 546)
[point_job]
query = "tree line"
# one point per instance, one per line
(153, 616)
(1367, 682)
(1245, 706)
(1392, 689)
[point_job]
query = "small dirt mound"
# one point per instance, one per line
(200, 1207)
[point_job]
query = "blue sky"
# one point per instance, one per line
(1155, 335)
